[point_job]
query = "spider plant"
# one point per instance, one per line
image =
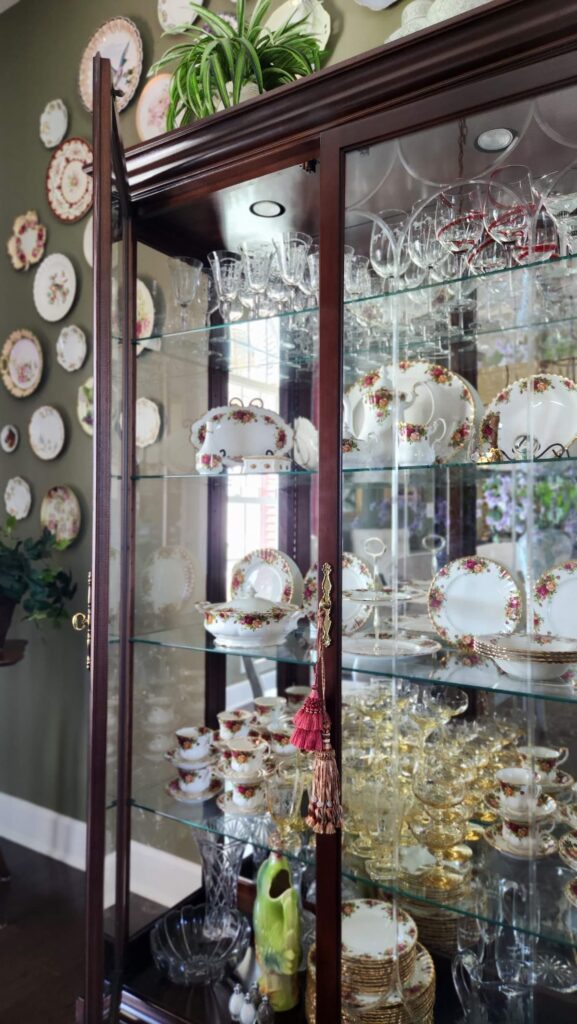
(220, 59)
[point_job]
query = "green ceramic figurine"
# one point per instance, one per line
(276, 921)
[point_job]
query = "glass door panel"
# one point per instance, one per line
(459, 419)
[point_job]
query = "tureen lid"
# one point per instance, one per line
(249, 602)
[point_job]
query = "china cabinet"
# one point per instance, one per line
(363, 377)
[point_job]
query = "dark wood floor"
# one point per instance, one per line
(41, 940)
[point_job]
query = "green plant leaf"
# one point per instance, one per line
(220, 27)
(260, 10)
(220, 79)
(238, 80)
(255, 62)
(240, 17)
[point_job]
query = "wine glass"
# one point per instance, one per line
(257, 259)
(509, 205)
(558, 193)
(292, 249)
(389, 257)
(185, 277)
(226, 269)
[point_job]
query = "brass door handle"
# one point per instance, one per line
(81, 621)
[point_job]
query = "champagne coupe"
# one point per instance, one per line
(185, 277)
(440, 790)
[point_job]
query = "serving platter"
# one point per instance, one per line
(69, 187)
(21, 363)
(119, 41)
(53, 123)
(472, 596)
(17, 498)
(54, 288)
(60, 514)
(46, 433)
(271, 574)
(27, 242)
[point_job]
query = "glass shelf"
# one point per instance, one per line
(557, 919)
(448, 667)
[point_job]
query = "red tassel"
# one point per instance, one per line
(325, 811)
(307, 740)
(309, 723)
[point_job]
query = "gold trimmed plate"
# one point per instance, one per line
(21, 363)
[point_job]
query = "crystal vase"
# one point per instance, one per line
(221, 860)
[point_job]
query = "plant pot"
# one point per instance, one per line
(6, 612)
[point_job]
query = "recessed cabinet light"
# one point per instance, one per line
(267, 208)
(495, 140)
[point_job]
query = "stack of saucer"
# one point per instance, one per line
(437, 928)
(529, 656)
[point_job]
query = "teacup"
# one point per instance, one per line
(247, 754)
(193, 780)
(519, 789)
(209, 465)
(544, 760)
(520, 835)
(296, 696)
(280, 741)
(417, 440)
(269, 709)
(233, 724)
(248, 795)
(194, 742)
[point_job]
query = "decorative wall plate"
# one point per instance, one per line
(53, 123)
(311, 13)
(152, 107)
(26, 246)
(68, 186)
(168, 579)
(60, 513)
(145, 312)
(46, 433)
(9, 438)
(85, 406)
(21, 363)
(54, 287)
(555, 601)
(71, 348)
(473, 596)
(356, 576)
(271, 574)
(174, 15)
(147, 422)
(550, 407)
(17, 498)
(119, 41)
(87, 241)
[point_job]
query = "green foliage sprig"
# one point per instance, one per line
(216, 64)
(41, 589)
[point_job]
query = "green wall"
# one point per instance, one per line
(43, 700)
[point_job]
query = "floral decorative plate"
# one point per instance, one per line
(26, 245)
(53, 123)
(174, 790)
(174, 15)
(68, 186)
(46, 433)
(145, 313)
(548, 401)
(60, 513)
(310, 14)
(87, 241)
(147, 422)
(356, 576)
(473, 596)
(271, 574)
(555, 601)
(119, 41)
(368, 930)
(85, 406)
(54, 287)
(494, 837)
(71, 348)
(21, 363)
(152, 106)
(17, 498)
(168, 579)
(9, 438)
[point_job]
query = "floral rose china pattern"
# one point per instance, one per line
(472, 596)
(21, 363)
(71, 348)
(368, 930)
(119, 41)
(68, 185)
(144, 311)
(549, 401)
(27, 242)
(271, 574)
(85, 406)
(555, 601)
(53, 123)
(46, 433)
(152, 107)
(9, 438)
(60, 513)
(213, 789)
(54, 287)
(17, 498)
(356, 576)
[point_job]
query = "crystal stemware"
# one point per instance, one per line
(292, 249)
(185, 277)
(226, 269)
(509, 205)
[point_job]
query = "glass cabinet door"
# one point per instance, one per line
(459, 636)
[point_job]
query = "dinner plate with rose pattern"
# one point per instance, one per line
(555, 600)
(356, 576)
(472, 596)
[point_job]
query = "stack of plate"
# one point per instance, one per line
(380, 1008)
(529, 655)
(437, 928)
(372, 937)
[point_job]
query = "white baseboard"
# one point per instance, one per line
(155, 874)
